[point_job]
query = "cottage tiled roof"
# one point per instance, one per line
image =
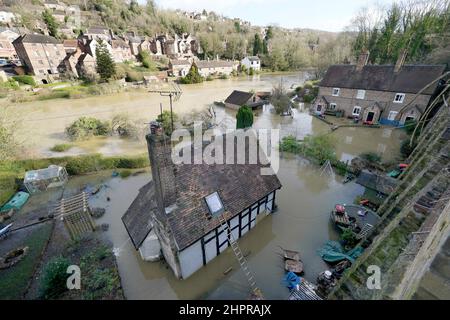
(214, 64)
(137, 218)
(238, 98)
(119, 43)
(410, 78)
(239, 186)
(98, 30)
(253, 58)
(36, 38)
(180, 62)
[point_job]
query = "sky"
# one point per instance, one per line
(328, 15)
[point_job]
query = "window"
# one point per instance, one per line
(399, 97)
(361, 94)
(214, 203)
(336, 92)
(392, 115)
(356, 111)
(332, 106)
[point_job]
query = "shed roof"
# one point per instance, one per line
(410, 78)
(214, 64)
(180, 62)
(137, 219)
(239, 186)
(239, 98)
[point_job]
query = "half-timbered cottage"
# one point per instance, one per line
(185, 204)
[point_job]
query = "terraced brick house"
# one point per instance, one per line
(377, 93)
(184, 204)
(41, 55)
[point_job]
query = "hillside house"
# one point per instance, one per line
(239, 98)
(251, 62)
(6, 15)
(377, 93)
(179, 68)
(59, 16)
(7, 50)
(40, 54)
(86, 65)
(215, 67)
(98, 33)
(184, 203)
(54, 5)
(134, 42)
(121, 51)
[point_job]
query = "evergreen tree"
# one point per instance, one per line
(244, 118)
(106, 67)
(50, 22)
(257, 45)
(193, 76)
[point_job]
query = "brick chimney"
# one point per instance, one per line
(362, 60)
(163, 169)
(400, 61)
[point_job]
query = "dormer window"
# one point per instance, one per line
(214, 203)
(399, 97)
(336, 92)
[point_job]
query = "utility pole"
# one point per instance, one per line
(174, 95)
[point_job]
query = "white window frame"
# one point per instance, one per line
(394, 113)
(401, 98)
(337, 93)
(356, 108)
(361, 94)
(334, 106)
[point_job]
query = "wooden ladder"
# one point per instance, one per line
(240, 257)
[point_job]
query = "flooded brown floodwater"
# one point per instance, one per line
(44, 121)
(301, 222)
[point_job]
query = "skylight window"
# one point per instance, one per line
(214, 203)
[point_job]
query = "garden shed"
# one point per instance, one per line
(43, 179)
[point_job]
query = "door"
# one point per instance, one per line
(370, 116)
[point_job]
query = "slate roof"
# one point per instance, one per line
(410, 78)
(253, 58)
(70, 43)
(36, 38)
(137, 218)
(179, 62)
(239, 186)
(214, 64)
(239, 98)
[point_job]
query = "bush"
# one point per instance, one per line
(125, 173)
(166, 121)
(133, 76)
(86, 127)
(290, 144)
(223, 77)
(53, 281)
(209, 78)
(193, 76)
(25, 80)
(406, 149)
(371, 157)
(319, 148)
(11, 84)
(61, 147)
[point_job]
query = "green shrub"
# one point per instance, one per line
(406, 149)
(209, 78)
(133, 76)
(56, 94)
(11, 84)
(86, 127)
(193, 76)
(308, 98)
(371, 157)
(61, 147)
(290, 144)
(223, 77)
(53, 281)
(125, 173)
(83, 164)
(25, 80)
